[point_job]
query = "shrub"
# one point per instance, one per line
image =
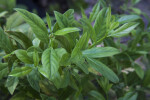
(73, 60)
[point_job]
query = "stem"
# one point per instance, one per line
(106, 96)
(99, 41)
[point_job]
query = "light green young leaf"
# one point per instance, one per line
(128, 18)
(20, 71)
(94, 12)
(22, 55)
(36, 42)
(65, 31)
(108, 18)
(20, 38)
(36, 23)
(3, 14)
(50, 64)
(11, 84)
(124, 29)
(103, 69)
(98, 52)
(36, 58)
(49, 21)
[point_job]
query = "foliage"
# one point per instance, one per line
(75, 60)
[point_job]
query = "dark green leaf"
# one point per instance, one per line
(130, 96)
(96, 95)
(36, 23)
(103, 69)
(5, 42)
(20, 38)
(34, 78)
(139, 71)
(11, 84)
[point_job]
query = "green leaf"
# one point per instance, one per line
(20, 71)
(94, 12)
(100, 23)
(83, 66)
(124, 29)
(36, 23)
(11, 84)
(128, 18)
(22, 55)
(50, 63)
(45, 97)
(49, 21)
(3, 66)
(70, 16)
(96, 95)
(3, 70)
(34, 78)
(65, 31)
(88, 28)
(79, 46)
(65, 79)
(146, 80)
(103, 69)
(36, 58)
(98, 52)
(20, 38)
(5, 42)
(108, 18)
(61, 19)
(129, 96)
(103, 3)
(60, 52)
(139, 71)
(14, 21)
